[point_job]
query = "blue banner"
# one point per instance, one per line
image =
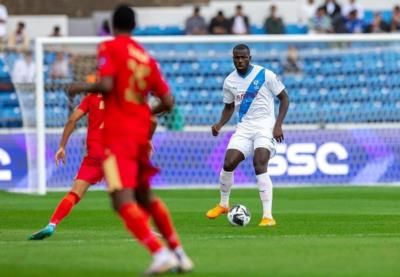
(309, 157)
(312, 157)
(13, 161)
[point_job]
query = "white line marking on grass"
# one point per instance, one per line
(386, 235)
(223, 237)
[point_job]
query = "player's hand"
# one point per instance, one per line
(60, 155)
(150, 148)
(153, 126)
(215, 129)
(278, 133)
(74, 89)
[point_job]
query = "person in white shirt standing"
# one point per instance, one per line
(3, 24)
(251, 89)
(240, 24)
(18, 40)
(351, 6)
(24, 69)
(307, 12)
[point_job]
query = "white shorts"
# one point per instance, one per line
(248, 139)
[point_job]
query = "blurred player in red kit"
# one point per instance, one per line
(90, 171)
(128, 74)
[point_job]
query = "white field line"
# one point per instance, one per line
(222, 237)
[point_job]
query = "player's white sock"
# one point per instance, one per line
(225, 184)
(179, 251)
(265, 189)
(161, 254)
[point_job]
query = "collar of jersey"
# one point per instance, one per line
(249, 69)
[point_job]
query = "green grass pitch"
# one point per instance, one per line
(337, 231)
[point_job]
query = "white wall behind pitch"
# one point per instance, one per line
(257, 10)
(38, 25)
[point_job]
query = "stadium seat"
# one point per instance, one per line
(295, 29)
(355, 85)
(257, 30)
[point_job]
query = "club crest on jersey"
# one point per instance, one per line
(256, 84)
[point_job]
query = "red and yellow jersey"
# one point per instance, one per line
(135, 74)
(93, 106)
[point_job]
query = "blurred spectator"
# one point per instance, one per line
(3, 24)
(395, 24)
(59, 69)
(239, 24)
(196, 25)
(320, 23)
(18, 40)
(353, 24)
(274, 24)
(291, 64)
(351, 6)
(378, 25)
(339, 24)
(332, 8)
(105, 29)
(24, 69)
(56, 31)
(219, 24)
(308, 10)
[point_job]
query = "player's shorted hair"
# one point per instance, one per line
(124, 18)
(241, 47)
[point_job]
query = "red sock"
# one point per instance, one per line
(162, 219)
(64, 207)
(137, 223)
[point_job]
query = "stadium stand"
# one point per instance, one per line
(335, 86)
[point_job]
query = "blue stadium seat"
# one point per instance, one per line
(295, 29)
(10, 117)
(257, 30)
(338, 85)
(8, 99)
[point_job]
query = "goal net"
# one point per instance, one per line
(342, 126)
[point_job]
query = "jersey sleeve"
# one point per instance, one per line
(85, 104)
(160, 86)
(274, 84)
(105, 63)
(228, 95)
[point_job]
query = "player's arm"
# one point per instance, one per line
(166, 104)
(228, 110)
(103, 86)
(226, 114)
(153, 126)
(275, 85)
(160, 90)
(106, 72)
(283, 108)
(68, 129)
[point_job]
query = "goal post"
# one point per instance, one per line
(40, 118)
(319, 121)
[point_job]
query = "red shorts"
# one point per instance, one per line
(91, 170)
(127, 165)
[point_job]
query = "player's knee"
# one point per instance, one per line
(260, 168)
(229, 165)
(120, 198)
(115, 204)
(143, 198)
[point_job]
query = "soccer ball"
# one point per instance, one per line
(239, 215)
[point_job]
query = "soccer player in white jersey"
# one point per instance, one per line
(250, 89)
